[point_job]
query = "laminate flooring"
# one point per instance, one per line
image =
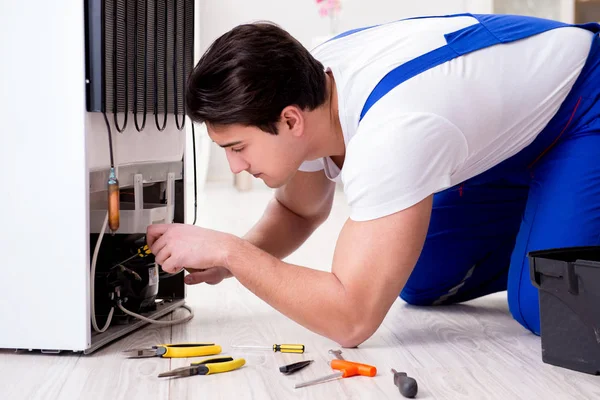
(470, 351)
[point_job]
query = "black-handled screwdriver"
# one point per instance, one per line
(408, 386)
(290, 369)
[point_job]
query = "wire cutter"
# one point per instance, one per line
(181, 350)
(207, 367)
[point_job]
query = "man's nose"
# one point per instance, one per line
(236, 163)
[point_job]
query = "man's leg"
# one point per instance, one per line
(563, 210)
(469, 243)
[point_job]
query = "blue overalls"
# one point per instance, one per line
(546, 196)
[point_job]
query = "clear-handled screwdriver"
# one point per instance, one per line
(282, 348)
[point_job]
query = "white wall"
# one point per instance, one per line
(219, 16)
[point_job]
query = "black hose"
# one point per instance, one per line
(195, 177)
(110, 145)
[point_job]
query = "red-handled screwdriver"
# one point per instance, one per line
(346, 369)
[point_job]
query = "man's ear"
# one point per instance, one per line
(292, 120)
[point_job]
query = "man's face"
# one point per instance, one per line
(272, 158)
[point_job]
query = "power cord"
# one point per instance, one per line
(195, 175)
(93, 284)
(192, 44)
(156, 322)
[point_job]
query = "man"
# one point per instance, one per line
(463, 142)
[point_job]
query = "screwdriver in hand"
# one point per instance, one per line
(142, 252)
(346, 370)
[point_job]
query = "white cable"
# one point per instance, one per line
(93, 283)
(153, 321)
(95, 259)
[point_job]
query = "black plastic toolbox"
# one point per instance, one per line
(568, 280)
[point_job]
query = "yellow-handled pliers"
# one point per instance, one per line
(207, 367)
(180, 350)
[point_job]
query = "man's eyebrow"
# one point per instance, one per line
(230, 144)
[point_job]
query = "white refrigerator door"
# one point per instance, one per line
(44, 251)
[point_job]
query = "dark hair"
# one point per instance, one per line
(250, 74)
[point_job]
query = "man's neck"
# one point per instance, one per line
(328, 137)
(336, 127)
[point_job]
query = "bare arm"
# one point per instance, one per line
(294, 213)
(372, 263)
(291, 217)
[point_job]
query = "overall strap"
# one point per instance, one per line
(490, 30)
(352, 31)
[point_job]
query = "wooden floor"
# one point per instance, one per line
(470, 351)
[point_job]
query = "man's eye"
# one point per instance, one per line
(237, 150)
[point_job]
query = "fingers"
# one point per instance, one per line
(162, 257)
(154, 231)
(157, 241)
(168, 261)
(171, 265)
(160, 245)
(211, 276)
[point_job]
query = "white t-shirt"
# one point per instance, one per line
(447, 124)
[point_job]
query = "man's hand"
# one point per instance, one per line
(212, 276)
(200, 251)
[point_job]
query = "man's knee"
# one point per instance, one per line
(415, 300)
(524, 307)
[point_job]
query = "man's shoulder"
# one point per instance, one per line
(399, 142)
(392, 164)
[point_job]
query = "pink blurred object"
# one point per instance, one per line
(329, 7)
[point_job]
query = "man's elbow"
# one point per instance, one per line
(355, 333)
(318, 219)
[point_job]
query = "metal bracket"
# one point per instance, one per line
(138, 191)
(171, 196)
(138, 198)
(153, 173)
